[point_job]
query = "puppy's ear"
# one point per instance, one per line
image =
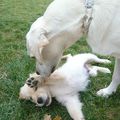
(26, 92)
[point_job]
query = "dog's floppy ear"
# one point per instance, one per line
(43, 41)
(36, 41)
(36, 37)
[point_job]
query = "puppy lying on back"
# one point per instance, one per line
(64, 83)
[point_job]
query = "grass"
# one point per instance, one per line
(16, 17)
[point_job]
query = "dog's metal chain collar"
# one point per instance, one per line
(89, 3)
(88, 15)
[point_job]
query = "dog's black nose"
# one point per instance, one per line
(53, 68)
(40, 100)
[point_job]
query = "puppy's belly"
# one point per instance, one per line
(72, 87)
(79, 83)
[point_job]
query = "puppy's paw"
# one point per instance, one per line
(106, 61)
(32, 82)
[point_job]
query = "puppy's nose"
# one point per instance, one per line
(40, 100)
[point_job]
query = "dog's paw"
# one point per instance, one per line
(32, 82)
(105, 92)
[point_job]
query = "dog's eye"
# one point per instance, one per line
(53, 68)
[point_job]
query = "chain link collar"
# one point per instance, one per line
(89, 3)
(88, 16)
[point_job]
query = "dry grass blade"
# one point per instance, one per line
(47, 117)
(57, 118)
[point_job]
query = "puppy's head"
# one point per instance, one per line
(42, 96)
(29, 87)
(36, 90)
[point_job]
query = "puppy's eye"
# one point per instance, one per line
(37, 73)
(32, 78)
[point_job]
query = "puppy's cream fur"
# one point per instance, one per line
(65, 83)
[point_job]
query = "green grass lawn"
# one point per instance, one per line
(16, 17)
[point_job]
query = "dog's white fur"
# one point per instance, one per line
(65, 83)
(62, 25)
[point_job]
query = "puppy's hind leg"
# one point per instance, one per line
(94, 58)
(93, 70)
(74, 107)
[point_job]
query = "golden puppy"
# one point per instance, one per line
(64, 83)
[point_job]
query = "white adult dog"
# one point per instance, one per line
(64, 83)
(64, 22)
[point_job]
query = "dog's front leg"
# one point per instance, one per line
(74, 107)
(115, 81)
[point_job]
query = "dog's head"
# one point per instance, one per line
(46, 53)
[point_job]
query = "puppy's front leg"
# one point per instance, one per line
(74, 107)
(34, 80)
